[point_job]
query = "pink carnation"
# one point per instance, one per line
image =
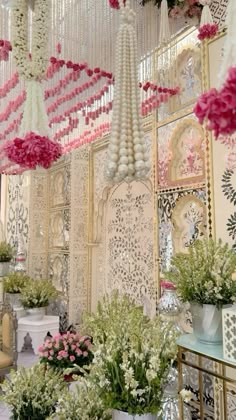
(33, 150)
(207, 31)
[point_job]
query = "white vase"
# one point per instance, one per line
(4, 268)
(121, 415)
(36, 314)
(207, 323)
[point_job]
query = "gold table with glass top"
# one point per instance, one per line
(223, 372)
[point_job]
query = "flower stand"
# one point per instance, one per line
(37, 330)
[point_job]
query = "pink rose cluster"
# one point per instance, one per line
(207, 31)
(5, 48)
(33, 150)
(218, 107)
(66, 350)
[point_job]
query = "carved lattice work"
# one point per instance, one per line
(78, 249)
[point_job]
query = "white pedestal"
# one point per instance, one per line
(37, 331)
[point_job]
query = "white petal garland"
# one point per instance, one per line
(34, 67)
(127, 155)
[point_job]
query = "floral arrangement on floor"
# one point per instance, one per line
(33, 393)
(204, 274)
(180, 8)
(38, 294)
(84, 403)
(218, 107)
(6, 252)
(15, 282)
(132, 356)
(65, 351)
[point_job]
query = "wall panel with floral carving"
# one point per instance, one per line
(122, 224)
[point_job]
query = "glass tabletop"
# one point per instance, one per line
(212, 351)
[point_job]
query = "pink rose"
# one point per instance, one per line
(51, 352)
(72, 358)
(50, 358)
(85, 353)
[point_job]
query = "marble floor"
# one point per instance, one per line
(26, 359)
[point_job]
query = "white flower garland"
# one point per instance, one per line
(34, 68)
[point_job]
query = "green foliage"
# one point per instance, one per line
(132, 356)
(38, 293)
(33, 393)
(15, 282)
(204, 275)
(6, 252)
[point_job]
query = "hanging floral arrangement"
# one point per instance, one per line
(207, 29)
(218, 107)
(33, 146)
(180, 8)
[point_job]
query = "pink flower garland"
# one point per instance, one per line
(32, 151)
(219, 107)
(207, 31)
(5, 47)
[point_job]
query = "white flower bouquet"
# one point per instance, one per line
(204, 274)
(33, 393)
(84, 403)
(132, 356)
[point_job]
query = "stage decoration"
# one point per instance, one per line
(127, 155)
(33, 66)
(207, 29)
(179, 8)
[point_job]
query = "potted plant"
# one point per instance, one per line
(132, 357)
(6, 254)
(69, 351)
(35, 297)
(33, 393)
(83, 403)
(203, 277)
(13, 285)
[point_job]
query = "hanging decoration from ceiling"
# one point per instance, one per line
(33, 147)
(127, 154)
(217, 107)
(207, 29)
(179, 8)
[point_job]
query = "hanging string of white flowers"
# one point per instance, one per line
(34, 147)
(30, 66)
(127, 154)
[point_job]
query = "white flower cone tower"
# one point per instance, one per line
(127, 153)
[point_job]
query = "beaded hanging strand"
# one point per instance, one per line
(127, 155)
